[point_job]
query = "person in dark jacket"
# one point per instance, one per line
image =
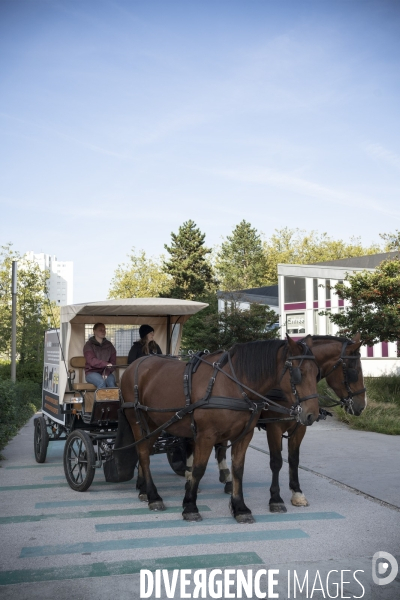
(101, 357)
(146, 345)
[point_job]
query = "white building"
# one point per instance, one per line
(303, 291)
(60, 283)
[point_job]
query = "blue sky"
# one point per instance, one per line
(120, 120)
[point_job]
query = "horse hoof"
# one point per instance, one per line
(245, 519)
(192, 517)
(299, 499)
(143, 498)
(228, 488)
(157, 505)
(277, 508)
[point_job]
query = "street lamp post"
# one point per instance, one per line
(14, 322)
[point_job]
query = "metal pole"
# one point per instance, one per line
(168, 334)
(14, 322)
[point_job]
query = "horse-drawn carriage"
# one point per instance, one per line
(72, 409)
(214, 398)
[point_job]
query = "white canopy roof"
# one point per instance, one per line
(131, 307)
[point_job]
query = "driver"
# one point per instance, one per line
(101, 357)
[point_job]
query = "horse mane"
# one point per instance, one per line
(337, 338)
(257, 360)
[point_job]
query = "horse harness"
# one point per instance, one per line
(208, 401)
(350, 375)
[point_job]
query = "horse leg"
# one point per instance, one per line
(202, 451)
(154, 499)
(298, 498)
(274, 436)
(224, 472)
(141, 485)
(189, 460)
(237, 505)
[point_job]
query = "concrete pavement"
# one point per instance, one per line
(56, 542)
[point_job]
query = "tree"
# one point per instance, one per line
(188, 266)
(141, 277)
(212, 330)
(374, 309)
(392, 240)
(241, 262)
(33, 307)
(295, 246)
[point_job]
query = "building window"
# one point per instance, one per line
(316, 328)
(296, 323)
(315, 288)
(327, 289)
(295, 289)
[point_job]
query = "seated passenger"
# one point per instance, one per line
(146, 345)
(101, 357)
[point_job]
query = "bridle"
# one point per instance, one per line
(295, 377)
(350, 375)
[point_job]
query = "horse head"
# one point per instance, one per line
(343, 372)
(299, 380)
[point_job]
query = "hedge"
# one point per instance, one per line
(18, 402)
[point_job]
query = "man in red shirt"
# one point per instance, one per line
(101, 357)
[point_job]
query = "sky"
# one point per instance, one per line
(120, 120)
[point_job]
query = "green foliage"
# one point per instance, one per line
(241, 261)
(392, 240)
(141, 277)
(382, 413)
(188, 265)
(18, 402)
(30, 371)
(213, 330)
(33, 309)
(295, 246)
(374, 309)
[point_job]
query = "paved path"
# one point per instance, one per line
(59, 543)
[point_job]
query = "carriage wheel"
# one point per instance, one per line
(79, 461)
(177, 458)
(40, 439)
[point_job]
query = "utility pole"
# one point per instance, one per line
(14, 322)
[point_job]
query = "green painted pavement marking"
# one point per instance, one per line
(92, 514)
(270, 518)
(37, 486)
(159, 542)
(36, 466)
(130, 567)
(207, 486)
(72, 503)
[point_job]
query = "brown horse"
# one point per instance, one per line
(156, 383)
(339, 362)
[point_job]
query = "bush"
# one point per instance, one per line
(382, 413)
(32, 371)
(18, 402)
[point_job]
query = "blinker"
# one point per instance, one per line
(296, 375)
(352, 375)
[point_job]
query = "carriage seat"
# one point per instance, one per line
(78, 362)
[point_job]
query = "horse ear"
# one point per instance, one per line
(357, 338)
